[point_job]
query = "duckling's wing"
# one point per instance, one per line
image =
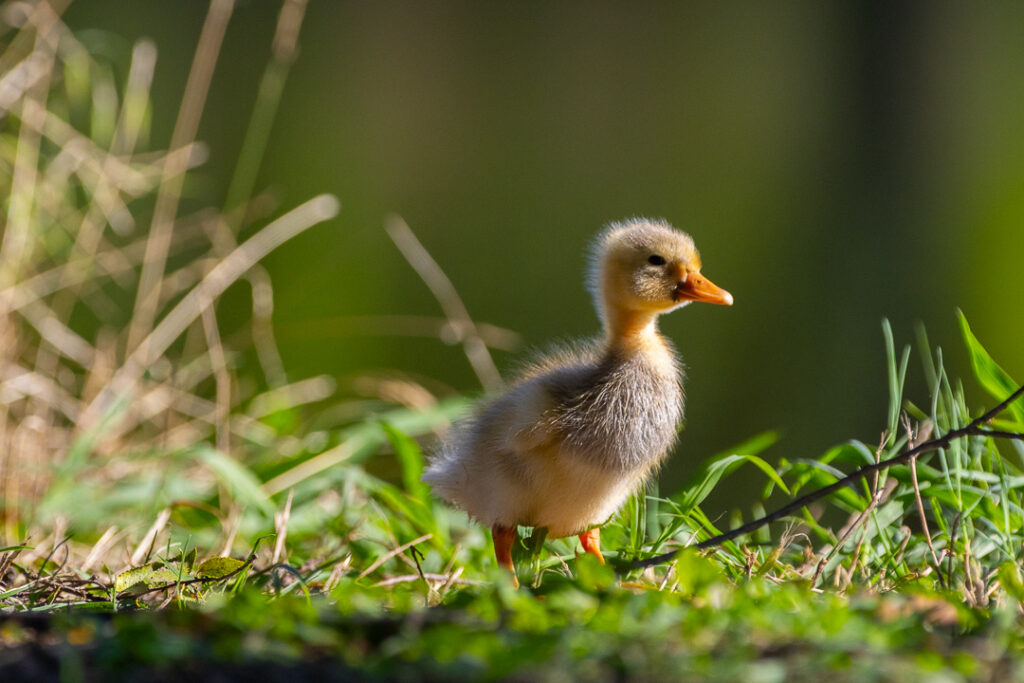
(491, 462)
(615, 412)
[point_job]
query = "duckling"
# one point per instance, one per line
(583, 428)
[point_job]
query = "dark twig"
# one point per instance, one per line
(53, 551)
(999, 434)
(974, 428)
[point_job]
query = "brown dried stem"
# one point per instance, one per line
(173, 179)
(451, 303)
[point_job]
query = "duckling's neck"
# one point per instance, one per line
(636, 332)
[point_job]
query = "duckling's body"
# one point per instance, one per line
(582, 429)
(568, 443)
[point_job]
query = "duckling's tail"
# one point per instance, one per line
(447, 476)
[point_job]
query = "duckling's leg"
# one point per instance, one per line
(591, 542)
(504, 537)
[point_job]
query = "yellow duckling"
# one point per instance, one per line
(582, 429)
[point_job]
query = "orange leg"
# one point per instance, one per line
(504, 537)
(591, 542)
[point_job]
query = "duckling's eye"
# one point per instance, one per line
(656, 260)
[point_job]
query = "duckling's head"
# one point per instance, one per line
(647, 267)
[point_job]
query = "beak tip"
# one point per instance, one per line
(727, 299)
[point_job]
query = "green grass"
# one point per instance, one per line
(870, 598)
(172, 502)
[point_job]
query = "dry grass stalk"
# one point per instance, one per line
(924, 431)
(218, 359)
(145, 547)
(112, 357)
(173, 177)
(392, 553)
(412, 326)
(233, 517)
(339, 570)
(437, 578)
(318, 463)
(99, 549)
(226, 272)
(281, 528)
(451, 303)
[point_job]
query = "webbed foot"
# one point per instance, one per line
(591, 542)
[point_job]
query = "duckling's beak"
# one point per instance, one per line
(696, 287)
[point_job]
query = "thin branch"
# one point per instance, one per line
(1000, 434)
(974, 428)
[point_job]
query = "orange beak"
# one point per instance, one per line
(696, 287)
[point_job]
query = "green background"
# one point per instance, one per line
(836, 164)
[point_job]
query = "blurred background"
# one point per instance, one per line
(837, 164)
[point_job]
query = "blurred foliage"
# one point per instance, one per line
(282, 525)
(719, 632)
(835, 163)
(390, 583)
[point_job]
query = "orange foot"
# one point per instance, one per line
(591, 542)
(504, 537)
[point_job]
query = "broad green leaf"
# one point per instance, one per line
(160, 577)
(820, 473)
(130, 577)
(218, 567)
(592, 574)
(410, 458)
(1010, 578)
(696, 573)
(990, 376)
(415, 511)
(710, 474)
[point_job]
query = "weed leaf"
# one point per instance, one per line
(992, 378)
(410, 458)
(218, 567)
